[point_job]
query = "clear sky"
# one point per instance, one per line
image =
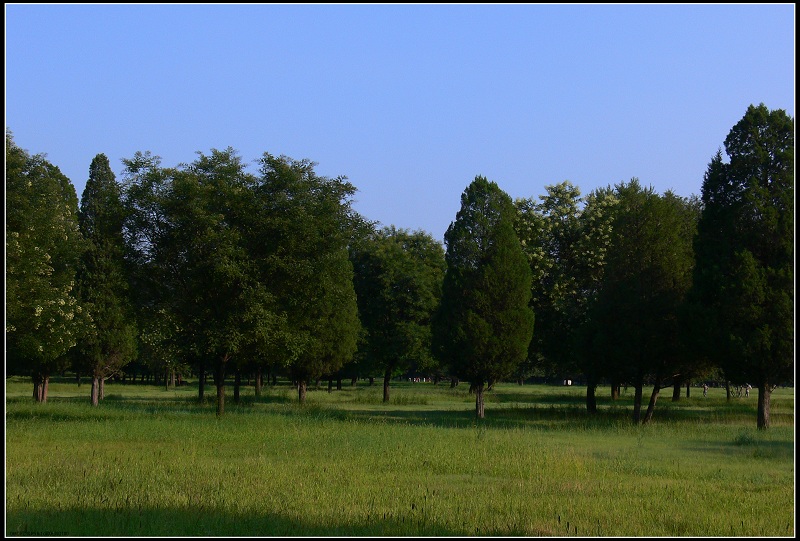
(409, 102)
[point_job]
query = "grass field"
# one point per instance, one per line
(155, 462)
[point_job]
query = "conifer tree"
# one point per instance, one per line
(743, 289)
(484, 325)
(102, 281)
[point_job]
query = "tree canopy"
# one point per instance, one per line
(485, 324)
(744, 277)
(44, 318)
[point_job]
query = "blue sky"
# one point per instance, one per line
(410, 102)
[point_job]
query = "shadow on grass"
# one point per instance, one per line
(507, 410)
(214, 522)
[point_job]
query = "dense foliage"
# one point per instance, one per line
(44, 319)
(484, 326)
(209, 268)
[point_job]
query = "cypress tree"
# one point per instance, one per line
(102, 283)
(484, 325)
(744, 275)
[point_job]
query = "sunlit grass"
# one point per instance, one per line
(155, 462)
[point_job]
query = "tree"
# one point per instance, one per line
(187, 236)
(549, 232)
(596, 232)
(484, 325)
(398, 281)
(309, 224)
(102, 282)
(744, 276)
(647, 275)
(43, 245)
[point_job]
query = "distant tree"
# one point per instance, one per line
(102, 282)
(744, 277)
(309, 225)
(44, 318)
(484, 325)
(398, 281)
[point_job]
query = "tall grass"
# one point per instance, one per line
(152, 462)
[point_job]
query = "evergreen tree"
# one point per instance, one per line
(647, 275)
(102, 282)
(744, 279)
(484, 325)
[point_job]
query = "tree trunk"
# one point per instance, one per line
(637, 402)
(95, 390)
(330, 385)
(764, 394)
(688, 386)
(45, 385)
(591, 397)
(301, 390)
(614, 390)
(353, 382)
(453, 383)
(387, 376)
(172, 378)
(219, 381)
(676, 391)
(371, 381)
(237, 383)
(652, 405)
(166, 379)
(258, 382)
(479, 410)
(37, 387)
(201, 382)
(727, 390)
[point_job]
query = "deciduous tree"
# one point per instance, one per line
(398, 281)
(44, 318)
(310, 224)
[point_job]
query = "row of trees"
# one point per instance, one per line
(210, 268)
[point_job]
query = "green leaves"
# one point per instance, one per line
(43, 316)
(398, 277)
(745, 254)
(484, 324)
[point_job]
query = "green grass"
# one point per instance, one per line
(155, 462)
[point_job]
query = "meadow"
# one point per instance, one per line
(151, 461)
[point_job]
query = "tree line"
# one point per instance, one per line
(208, 268)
